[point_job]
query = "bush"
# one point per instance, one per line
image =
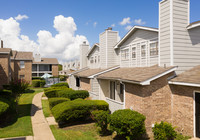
(51, 93)
(60, 85)
(127, 123)
(73, 94)
(42, 83)
(36, 83)
(55, 101)
(63, 77)
(101, 118)
(164, 131)
(181, 137)
(77, 110)
(4, 105)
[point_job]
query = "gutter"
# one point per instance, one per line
(184, 84)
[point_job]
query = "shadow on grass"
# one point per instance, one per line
(29, 91)
(76, 123)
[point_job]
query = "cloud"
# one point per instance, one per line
(139, 22)
(113, 25)
(64, 45)
(21, 17)
(125, 21)
(95, 24)
(128, 27)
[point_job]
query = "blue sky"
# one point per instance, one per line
(85, 13)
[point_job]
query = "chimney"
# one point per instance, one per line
(37, 58)
(109, 29)
(84, 48)
(1, 43)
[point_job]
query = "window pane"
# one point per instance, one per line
(134, 52)
(22, 65)
(154, 49)
(143, 51)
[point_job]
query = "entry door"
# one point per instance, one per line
(197, 113)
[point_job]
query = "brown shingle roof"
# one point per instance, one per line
(5, 50)
(22, 55)
(139, 74)
(191, 76)
(47, 61)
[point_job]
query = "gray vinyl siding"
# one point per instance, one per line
(137, 38)
(94, 53)
(164, 33)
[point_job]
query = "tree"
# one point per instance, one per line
(59, 67)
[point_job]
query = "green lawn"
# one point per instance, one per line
(80, 132)
(46, 109)
(21, 125)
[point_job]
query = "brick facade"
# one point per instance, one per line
(85, 84)
(4, 69)
(55, 70)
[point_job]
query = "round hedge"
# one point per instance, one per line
(4, 105)
(73, 94)
(55, 101)
(60, 85)
(127, 123)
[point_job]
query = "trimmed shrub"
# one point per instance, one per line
(101, 118)
(60, 85)
(51, 93)
(181, 137)
(77, 110)
(62, 77)
(42, 83)
(55, 101)
(73, 94)
(164, 131)
(36, 83)
(37, 78)
(127, 123)
(4, 105)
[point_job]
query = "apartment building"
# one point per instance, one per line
(153, 71)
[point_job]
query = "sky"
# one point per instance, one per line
(56, 28)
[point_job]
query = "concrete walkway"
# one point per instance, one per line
(41, 129)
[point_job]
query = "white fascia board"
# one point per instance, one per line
(184, 84)
(92, 76)
(147, 82)
(133, 29)
(193, 26)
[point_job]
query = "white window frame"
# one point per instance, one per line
(143, 50)
(91, 60)
(126, 54)
(22, 64)
(135, 47)
(156, 48)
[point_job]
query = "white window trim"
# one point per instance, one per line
(124, 49)
(152, 42)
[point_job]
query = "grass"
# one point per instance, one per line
(21, 123)
(46, 109)
(80, 132)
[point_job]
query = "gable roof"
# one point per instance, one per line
(92, 49)
(47, 61)
(188, 78)
(17, 55)
(90, 73)
(79, 70)
(131, 31)
(193, 25)
(137, 75)
(6, 50)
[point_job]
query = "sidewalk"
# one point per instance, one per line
(41, 129)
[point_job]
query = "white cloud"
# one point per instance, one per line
(125, 21)
(113, 25)
(128, 27)
(21, 17)
(64, 45)
(95, 24)
(139, 22)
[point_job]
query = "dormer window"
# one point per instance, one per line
(125, 54)
(143, 51)
(91, 60)
(134, 52)
(154, 49)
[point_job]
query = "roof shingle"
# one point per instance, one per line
(22, 55)
(47, 61)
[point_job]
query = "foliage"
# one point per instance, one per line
(35, 83)
(55, 101)
(42, 83)
(62, 77)
(61, 85)
(51, 92)
(73, 94)
(46, 108)
(77, 110)
(18, 87)
(164, 131)
(101, 118)
(127, 123)
(4, 105)
(181, 137)
(37, 78)
(59, 67)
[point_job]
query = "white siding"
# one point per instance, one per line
(83, 58)
(138, 38)
(94, 53)
(102, 44)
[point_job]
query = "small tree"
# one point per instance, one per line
(18, 87)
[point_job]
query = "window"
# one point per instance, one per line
(21, 77)
(77, 82)
(121, 88)
(112, 90)
(125, 54)
(22, 65)
(91, 60)
(95, 60)
(143, 50)
(99, 58)
(134, 52)
(154, 49)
